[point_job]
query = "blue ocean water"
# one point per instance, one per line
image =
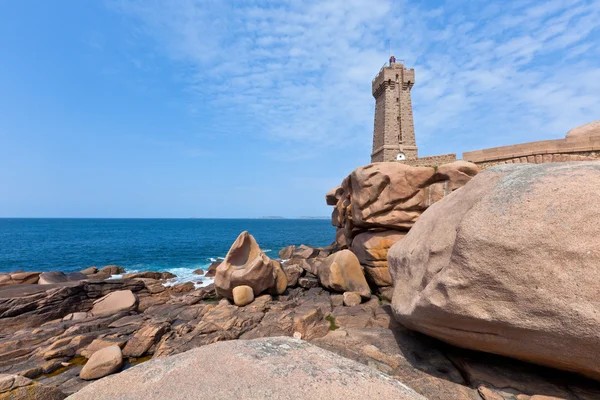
(176, 245)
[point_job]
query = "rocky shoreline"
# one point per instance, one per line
(62, 334)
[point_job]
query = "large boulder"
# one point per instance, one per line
(48, 278)
(509, 265)
(391, 195)
(341, 272)
(591, 129)
(145, 338)
(19, 278)
(112, 303)
(280, 277)
(245, 264)
(274, 368)
(16, 387)
(394, 195)
(242, 295)
(103, 362)
(371, 249)
(111, 270)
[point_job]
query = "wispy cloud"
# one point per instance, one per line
(301, 70)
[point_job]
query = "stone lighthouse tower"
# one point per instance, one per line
(394, 130)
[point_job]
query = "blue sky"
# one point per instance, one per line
(148, 108)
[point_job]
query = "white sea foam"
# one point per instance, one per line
(182, 275)
(187, 275)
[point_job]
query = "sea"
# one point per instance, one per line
(179, 246)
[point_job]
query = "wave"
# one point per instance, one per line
(183, 274)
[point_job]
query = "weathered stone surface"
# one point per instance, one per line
(145, 274)
(76, 276)
(509, 265)
(77, 316)
(352, 299)
(245, 264)
(274, 323)
(275, 368)
(112, 303)
(242, 295)
(591, 129)
(342, 272)
(47, 278)
(198, 272)
(304, 252)
(371, 249)
(332, 197)
(211, 271)
(281, 280)
(19, 278)
(308, 282)
(111, 270)
(89, 271)
(185, 287)
(152, 285)
(309, 322)
(145, 338)
(104, 362)
(407, 356)
(33, 305)
(390, 195)
(15, 387)
(311, 266)
(167, 275)
(287, 252)
(293, 273)
(101, 343)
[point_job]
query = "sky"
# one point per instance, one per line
(249, 108)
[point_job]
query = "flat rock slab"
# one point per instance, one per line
(269, 368)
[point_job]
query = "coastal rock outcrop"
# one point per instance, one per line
(16, 387)
(112, 303)
(19, 278)
(509, 265)
(51, 347)
(371, 249)
(102, 363)
(47, 278)
(393, 195)
(341, 272)
(245, 264)
(378, 203)
(276, 368)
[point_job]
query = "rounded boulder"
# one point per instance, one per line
(103, 362)
(509, 264)
(242, 295)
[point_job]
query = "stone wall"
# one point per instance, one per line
(575, 148)
(431, 161)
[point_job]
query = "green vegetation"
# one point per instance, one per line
(332, 325)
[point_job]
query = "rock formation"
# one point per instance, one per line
(16, 387)
(341, 272)
(245, 264)
(377, 204)
(275, 368)
(509, 265)
(102, 363)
